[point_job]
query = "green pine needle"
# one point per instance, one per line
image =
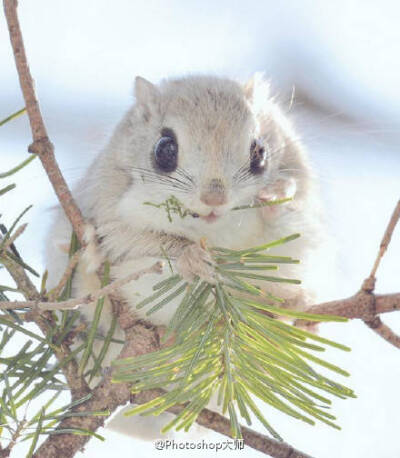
(12, 116)
(173, 206)
(18, 167)
(235, 346)
(7, 188)
(95, 323)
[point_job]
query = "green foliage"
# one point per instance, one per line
(230, 342)
(18, 167)
(173, 206)
(12, 116)
(31, 375)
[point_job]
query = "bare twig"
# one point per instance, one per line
(367, 305)
(368, 287)
(387, 236)
(70, 304)
(13, 238)
(361, 305)
(41, 144)
(73, 261)
(21, 278)
(6, 451)
(384, 331)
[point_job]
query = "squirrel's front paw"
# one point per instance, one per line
(281, 189)
(91, 256)
(196, 261)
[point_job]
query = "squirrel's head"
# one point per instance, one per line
(210, 142)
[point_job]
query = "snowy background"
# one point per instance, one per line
(341, 57)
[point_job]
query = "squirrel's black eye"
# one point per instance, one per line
(258, 157)
(166, 152)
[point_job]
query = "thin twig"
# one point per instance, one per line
(41, 144)
(387, 236)
(12, 238)
(384, 331)
(70, 304)
(6, 451)
(367, 305)
(73, 261)
(21, 278)
(368, 287)
(359, 306)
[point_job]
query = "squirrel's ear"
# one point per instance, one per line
(257, 89)
(146, 95)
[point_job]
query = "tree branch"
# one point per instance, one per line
(384, 331)
(367, 305)
(88, 299)
(220, 424)
(375, 323)
(41, 144)
(387, 236)
(8, 242)
(362, 305)
(72, 263)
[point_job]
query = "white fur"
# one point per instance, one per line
(215, 120)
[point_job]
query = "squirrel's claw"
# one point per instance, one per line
(196, 261)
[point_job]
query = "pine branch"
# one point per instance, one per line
(143, 339)
(45, 323)
(233, 345)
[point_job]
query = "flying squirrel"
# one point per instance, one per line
(214, 144)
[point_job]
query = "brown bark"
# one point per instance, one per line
(41, 145)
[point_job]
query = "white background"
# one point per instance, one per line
(343, 59)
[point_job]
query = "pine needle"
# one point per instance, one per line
(230, 346)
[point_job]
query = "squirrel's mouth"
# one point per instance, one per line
(210, 218)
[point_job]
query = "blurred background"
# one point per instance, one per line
(334, 67)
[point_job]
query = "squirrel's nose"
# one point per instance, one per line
(214, 194)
